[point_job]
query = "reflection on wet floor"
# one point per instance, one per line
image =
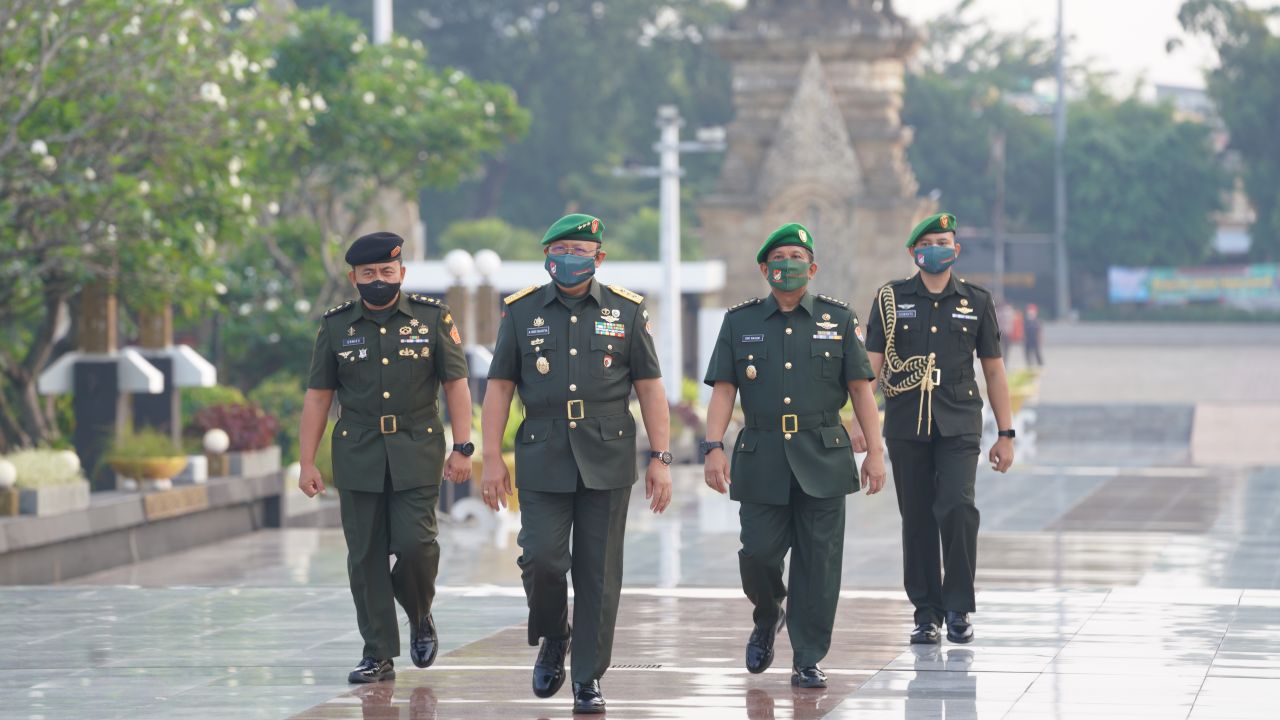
(1105, 592)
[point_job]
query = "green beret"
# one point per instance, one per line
(942, 222)
(789, 234)
(376, 247)
(575, 227)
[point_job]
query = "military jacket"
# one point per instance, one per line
(574, 365)
(950, 327)
(387, 378)
(792, 371)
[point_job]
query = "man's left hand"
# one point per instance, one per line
(457, 469)
(657, 486)
(873, 473)
(1001, 455)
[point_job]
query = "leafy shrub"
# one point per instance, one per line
(44, 467)
(142, 444)
(248, 426)
(195, 399)
(281, 395)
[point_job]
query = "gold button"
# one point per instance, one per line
(964, 328)
(826, 354)
(905, 327)
(573, 318)
(935, 304)
(430, 430)
(573, 351)
(344, 433)
(786, 401)
(933, 329)
(787, 365)
(970, 393)
(386, 395)
(573, 424)
(533, 437)
(788, 331)
(787, 436)
(382, 330)
(573, 387)
(610, 347)
(385, 361)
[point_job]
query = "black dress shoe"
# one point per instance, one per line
(423, 643)
(548, 671)
(958, 628)
(587, 697)
(925, 634)
(372, 670)
(808, 677)
(760, 645)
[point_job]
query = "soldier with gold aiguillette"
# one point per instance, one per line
(574, 349)
(922, 336)
(385, 356)
(795, 359)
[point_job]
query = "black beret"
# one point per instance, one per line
(376, 247)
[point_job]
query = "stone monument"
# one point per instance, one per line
(817, 138)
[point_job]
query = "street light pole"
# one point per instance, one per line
(381, 22)
(668, 148)
(1060, 179)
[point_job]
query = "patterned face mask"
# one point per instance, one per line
(935, 259)
(788, 275)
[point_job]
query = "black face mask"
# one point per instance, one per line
(378, 292)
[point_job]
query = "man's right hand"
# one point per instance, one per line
(716, 471)
(310, 481)
(495, 483)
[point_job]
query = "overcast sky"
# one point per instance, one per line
(1125, 36)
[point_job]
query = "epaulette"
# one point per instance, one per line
(633, 297)
(975, 286)
(340, 308)
(519, 294)
(833, 301)
(425, 300)
(900, 281)
(745, 303)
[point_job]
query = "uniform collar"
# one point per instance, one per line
(952, 288)
(551, 292)
(771, 304)
(402, 305)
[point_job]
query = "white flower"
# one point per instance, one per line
(246, 14)
(51, 21)
(246, 309)
(272, 304)
(235, 164)
(304, 103)
(302, 306)
(254, 67)
(182, 37)
(82, 42)
(212, 92)
(317, 102)
(220, 288)
(224, 15)
(268, 62)
(90, 174)
(273, 338)
(386, 61)
(399, 111)
(144, 187)
(199, 227)
(369, 98)
(273, 207)
(456, 77)
(234, 181)
(12, 24)
(489, 109)
(357, 47)
(134, 27)
(39, 148)
(48, 163)
(246, 201)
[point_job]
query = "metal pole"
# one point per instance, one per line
(997, 214)
(669, 249)
(381, 22)
(1060, 179)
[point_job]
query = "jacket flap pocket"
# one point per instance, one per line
(750, 350)
(965, 390)
(834, 437)
(537, 344)
(827, 348)
(606, 343)
(747, 441)
(534, 430)
(616, 427)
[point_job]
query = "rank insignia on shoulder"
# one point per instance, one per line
(519, 294)
(335, 310)
(745, 303)
(633, 297)
(423, 299)
(832, 300)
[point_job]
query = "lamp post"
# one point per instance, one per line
(488, 263)
(462, 267)
(1063, 296)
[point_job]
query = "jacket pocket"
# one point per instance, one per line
(835, 438)
(534, 430)
(617, 427)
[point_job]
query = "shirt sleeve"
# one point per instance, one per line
(875, 328)
(451, 359)
(644, 356)
(324, 364)
(989, 333)
(856, 364)
(506, 353)
(720, 368)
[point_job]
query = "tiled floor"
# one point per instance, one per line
(1106, 592)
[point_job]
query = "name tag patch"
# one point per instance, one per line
(906, 313)
(753, 338)
(611, 329)
(348, 342)
(538, 331)
(964, 317)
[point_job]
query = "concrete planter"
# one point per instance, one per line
(54, 499)
(195, 473)
(254, 463)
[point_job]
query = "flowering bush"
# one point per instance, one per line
(41, 468)
(249, 427)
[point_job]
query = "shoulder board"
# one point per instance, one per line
(745, 303)
(833, 301)
(335, 310)
(519, 294)
(633, 297)
(423, 299)
(900, 281)
(975, 286)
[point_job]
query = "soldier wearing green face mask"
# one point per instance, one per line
(795, 358)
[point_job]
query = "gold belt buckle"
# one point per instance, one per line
(387, 421)
(581, 409)
(794, 426)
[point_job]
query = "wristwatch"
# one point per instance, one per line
(466, 448)
(707, 446)
(1010, 433)
(663, 455)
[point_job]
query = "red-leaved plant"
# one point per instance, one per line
(248, 426)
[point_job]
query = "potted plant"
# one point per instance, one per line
(252, 432)
(148, 457)
(48, 482)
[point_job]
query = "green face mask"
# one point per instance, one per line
(788, 275)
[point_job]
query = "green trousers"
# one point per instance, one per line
(390, 523)
(595, 522)
(934, 482)
(813, 530)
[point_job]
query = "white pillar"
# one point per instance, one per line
(669, 350)
(381, 21)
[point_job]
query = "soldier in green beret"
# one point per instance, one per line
(795, 358)
(574, 349)
(922, 336)
(386, 356)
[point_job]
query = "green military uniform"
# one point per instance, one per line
(388, 451)
(793, 462)
(574, 361)
(933, 426)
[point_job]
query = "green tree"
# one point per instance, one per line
(131, 145)
(510, 242)
(1245, 90)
